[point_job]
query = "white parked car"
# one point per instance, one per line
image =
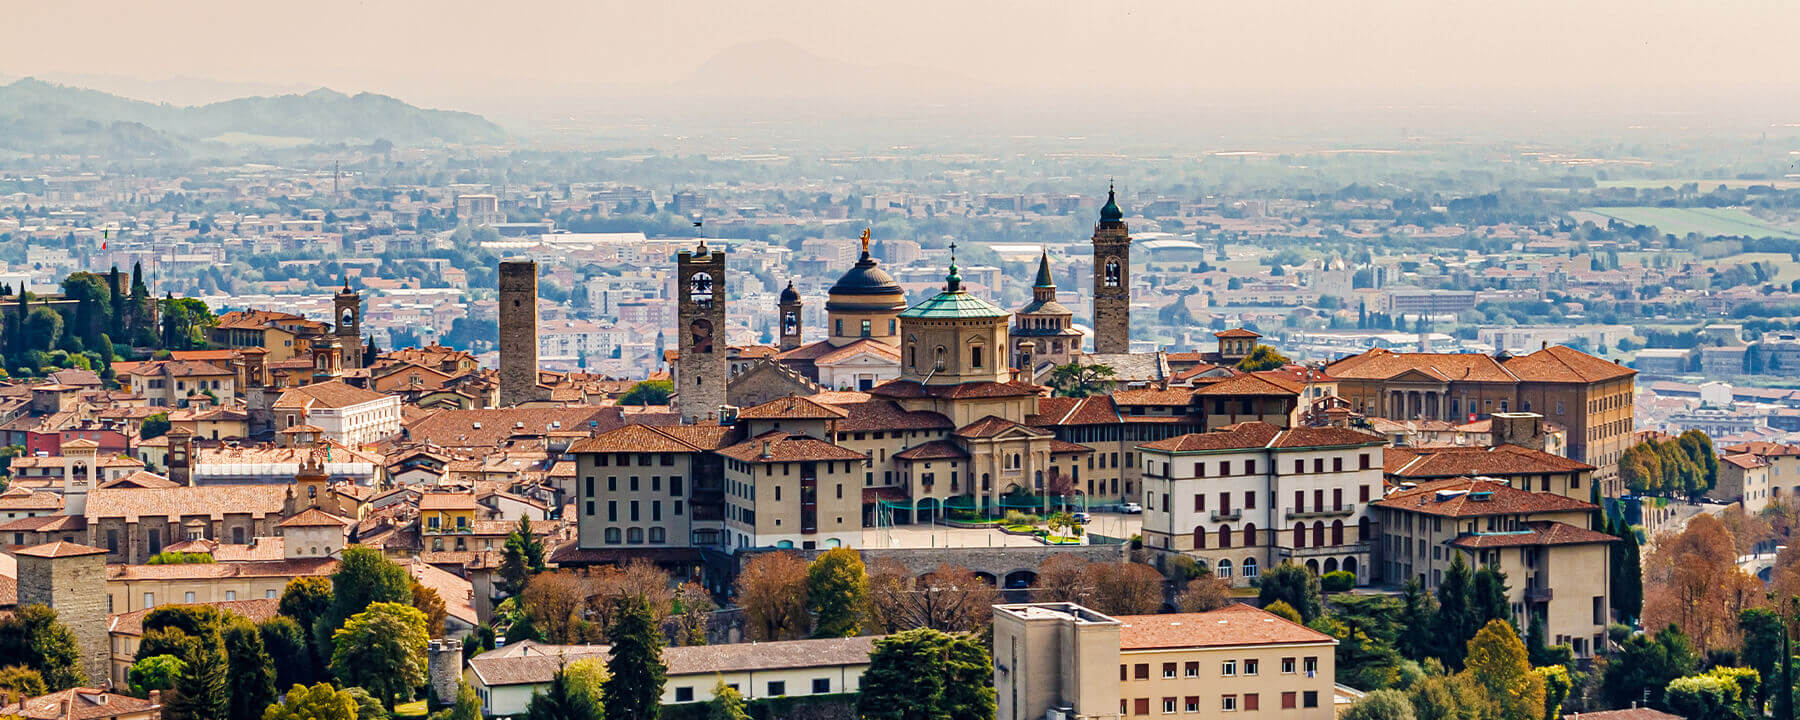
(1131, 508)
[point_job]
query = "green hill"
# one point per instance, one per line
(36, 116)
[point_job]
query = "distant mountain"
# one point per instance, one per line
(37, 116)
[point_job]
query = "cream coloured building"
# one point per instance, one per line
(1059, 660)
(1556, 565)
(792, 491)
(1247, 497)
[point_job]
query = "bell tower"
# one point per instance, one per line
(789, 312)
(700, 368)
(347, 313)
(1112, 279)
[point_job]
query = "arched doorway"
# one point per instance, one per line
(1312, 566)
(1331, 565)
(1350, 567)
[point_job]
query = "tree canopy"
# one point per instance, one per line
(926, 674)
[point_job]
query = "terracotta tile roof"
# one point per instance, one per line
(792, 407)
(1763, 449)
(46, 523)
(988, 389)
(179, 368)
(1744, 461)
(328, 394)
(82, 704)
(840, 397)
(487, 428)
(994, 426)
(1381, 364)
(1094, 410)
(1235, 625)
(1464, 460)
(447, 501)
(782, 447)
(659, 439)
(934, 450)
(1247, 385)
(300, 567)
(881, 415)
(1152, 396)
(314, 517)
(1061, 447)
(861, 346)
(213, 501)
(1237, 333)
(498, 668)
(456, 592)
(1535, 533)
(1640, 713)
(1251, 435)
(1565, 365)
(59, 549)
(1464, 497)
(258, 610)
(19, 498)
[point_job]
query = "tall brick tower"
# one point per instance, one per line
(700, 370)
(71, 579)
(1112, 279)
(347, 306)
(518, 330)
(789, 311)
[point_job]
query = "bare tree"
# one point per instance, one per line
(640, 579)
(949, 598)
(556, 603)
(696, 607)
(1125, 588)
(1064, 578)
(1204, 593)
(772, 591)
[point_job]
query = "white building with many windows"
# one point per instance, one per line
(345, 413)
(1248, 496)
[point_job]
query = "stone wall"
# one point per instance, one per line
(75, 587)
(518, 321)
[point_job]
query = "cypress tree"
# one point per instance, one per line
(1456, 615)
(636, 673)
(116, 324)
(202, 692)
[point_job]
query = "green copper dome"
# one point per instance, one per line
(1110, 212)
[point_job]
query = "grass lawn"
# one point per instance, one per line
(415, 709)
(1707, 222)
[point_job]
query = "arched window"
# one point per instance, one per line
(1319, 533)
(612, 536)
(1112, 272)
(634, 536)
(1200, 538)
(1362, 529)
(702, 331)
(700, 288)
(658, 536)
(1225, 536)
(1337, 532)
(912, 355)
(1249, 534)
(1250, 567)
(1224, 571)
(1299, 535)
(938, 364)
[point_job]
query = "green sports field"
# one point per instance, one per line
(1708, 222)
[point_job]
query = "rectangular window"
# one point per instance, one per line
(1251, 666)
(1140, 706)
(1287, 666)
(1168, 670)
(1192, 669)
(1362, 462)
(1199, 502)
(1252, 701)
(1289, 699)
(612, 511)
(1311, 665)
(1192, 703)
(1168, 706)
(1362, 494)
(1249, 499)
(777, 688)
(684, 694)
(1249, 467)
(1228, 703)
(1228, 668)
(1140, 671)
(1309, 699)
(821, 686)
(634, 511)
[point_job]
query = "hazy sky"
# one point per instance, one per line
(445, 51)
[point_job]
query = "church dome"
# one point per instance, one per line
(866, 286)
(1110, 212)
(790, 296)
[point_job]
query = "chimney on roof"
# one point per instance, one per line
(1543, 344)
(155, 697)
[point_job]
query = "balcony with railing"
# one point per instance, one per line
(1227, 515)
(1322, 513)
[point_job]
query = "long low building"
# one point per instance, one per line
(506, 678)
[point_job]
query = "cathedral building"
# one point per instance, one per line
(1044, 334)
(863, 321)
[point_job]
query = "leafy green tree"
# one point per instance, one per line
(34, 638)
(252, 671)
(1417, 610)
(1456, 616)
(1540, 653)
(1761, 630)
(649, 392)
(1281, 609)
(1294, 585)
(154, 426)
(364, 577)
(318, 702)
(837, 593)
(726, 704)
(1719, 694)
(180, 558)
(1077, 379)
(93, 305)
(1627, 582)
(305, 600)
(202, 691)
(1698, 446)
(1337, 581)
(522, 558)
(157, 672)
(1489, 600)
(283, 638)
(1557, 684)
(367, 707)
(1385, 704)
(1262, 357)
(167, 641)
(636, 672)
(43, 328)
(382, 650)
(1496, 658)
(927, 674)
(22, 681)
(563, 700)
(1644, 666)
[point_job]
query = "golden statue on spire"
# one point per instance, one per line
(865, 241)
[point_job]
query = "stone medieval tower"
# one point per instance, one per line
(1112, 280)
(518, 331)
(347, 313)
(700, 369)
(71, 579)
(789, 312)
